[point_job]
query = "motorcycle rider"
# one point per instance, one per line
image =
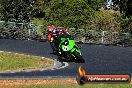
(51, 36)
(54, 35)
(61, 30)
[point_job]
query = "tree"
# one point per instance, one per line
(21, 10)
(16, 10)
(69, 13)
(95, 4)
(129, 8)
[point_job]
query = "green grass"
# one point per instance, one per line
(12, 61)
(84, 86)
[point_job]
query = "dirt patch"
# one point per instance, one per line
(17, 83)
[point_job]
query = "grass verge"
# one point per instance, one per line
(56, 83)
(85, 86)
(13, 61)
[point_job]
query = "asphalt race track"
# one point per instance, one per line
(99, 59)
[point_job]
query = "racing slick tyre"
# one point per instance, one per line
(78, 57)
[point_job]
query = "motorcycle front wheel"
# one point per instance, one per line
(78, 57)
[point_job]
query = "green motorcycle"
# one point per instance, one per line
(69, 50)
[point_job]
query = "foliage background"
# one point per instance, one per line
(73, 14)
